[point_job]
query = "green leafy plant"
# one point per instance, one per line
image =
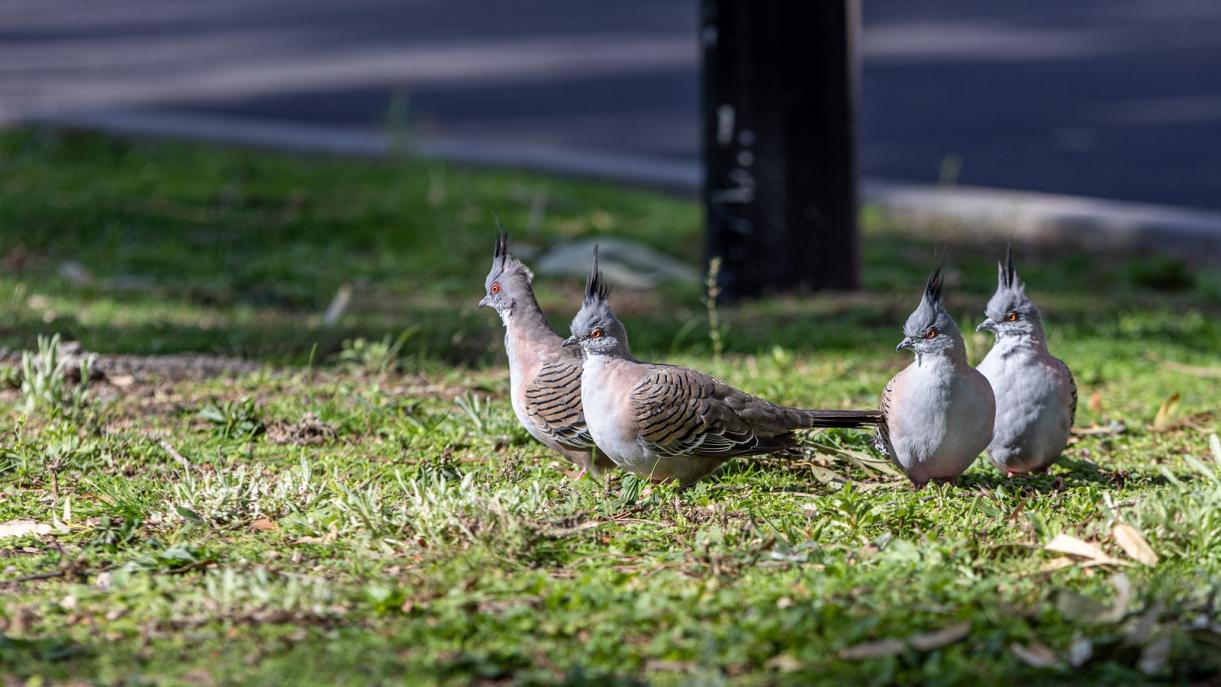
(44, 378)
(374, 358)
(233, 419)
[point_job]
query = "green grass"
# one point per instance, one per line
(370, 512)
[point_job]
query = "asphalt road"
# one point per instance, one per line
(1106, 98)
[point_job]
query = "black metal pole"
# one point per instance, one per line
(779, 143)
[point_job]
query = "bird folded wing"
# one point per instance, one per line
(682, 412)
(1072, 385)
(553, 401)
(881, 438)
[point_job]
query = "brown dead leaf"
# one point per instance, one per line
(1134, 544)
(1067, 544)
(1078, 607)
(1110, 428)
(784, 663)
(264, 525)
(939, 638)
(1036, 655)
(1056, 564)
(1154, 656)
(1095, 402)
(120, 380)
(878, 649)
(1166, 412)
(20, 528)
(1123, 598)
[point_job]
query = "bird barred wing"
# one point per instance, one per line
(881, 437)
(553, 402)
(683, 412)
(1072, 385)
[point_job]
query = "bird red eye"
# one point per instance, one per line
(495, 288)
(931, 333)
(596, 333)
(1012, 317)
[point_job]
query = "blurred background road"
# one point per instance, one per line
(1105, 98)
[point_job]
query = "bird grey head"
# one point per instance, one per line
(1009, 311)
(508, 282)
(930, 329)
(595, 328)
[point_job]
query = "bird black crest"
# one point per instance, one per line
(1007, 278)
(502, 243)
(596, 288)
(932, 288)
(1008, 274)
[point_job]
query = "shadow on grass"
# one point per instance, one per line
(1064, 473)
(261, 242)
(15, 651)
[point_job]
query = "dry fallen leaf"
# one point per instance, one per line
(784, 663)
(878, 649)
(20, 528)
(939, 638)
(1078, 607)
(1166, 412)
(1153, 657)
(1095, 402)
(1036, 655)
(926, 641)
(1063, 543)
(121, 380)
(1110, 428)
(1133, 543)
(1056, 563)
(1080, 651)
(1123, 597)
(1142, 630)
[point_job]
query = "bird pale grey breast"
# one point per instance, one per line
(1036, 396)
(665, 422)
(938, 410)
(544, 377)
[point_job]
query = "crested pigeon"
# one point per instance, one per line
(938, 410)
(665, 422)
(544, 377)
(1036, 397)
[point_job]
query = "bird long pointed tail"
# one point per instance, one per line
(840, 418)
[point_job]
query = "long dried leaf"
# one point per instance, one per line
(939, 638)
(1063, 543)
(1036, 655)
(878, 649)
(1133, 543)
(20, 528)
(1166, 412)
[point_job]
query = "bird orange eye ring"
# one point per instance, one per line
(1012, 317)
(931, 333)
(495, 288)
(596, 333)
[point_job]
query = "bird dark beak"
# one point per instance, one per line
(571, 341)
(907, 342)
(485, 301)
(986, 326)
